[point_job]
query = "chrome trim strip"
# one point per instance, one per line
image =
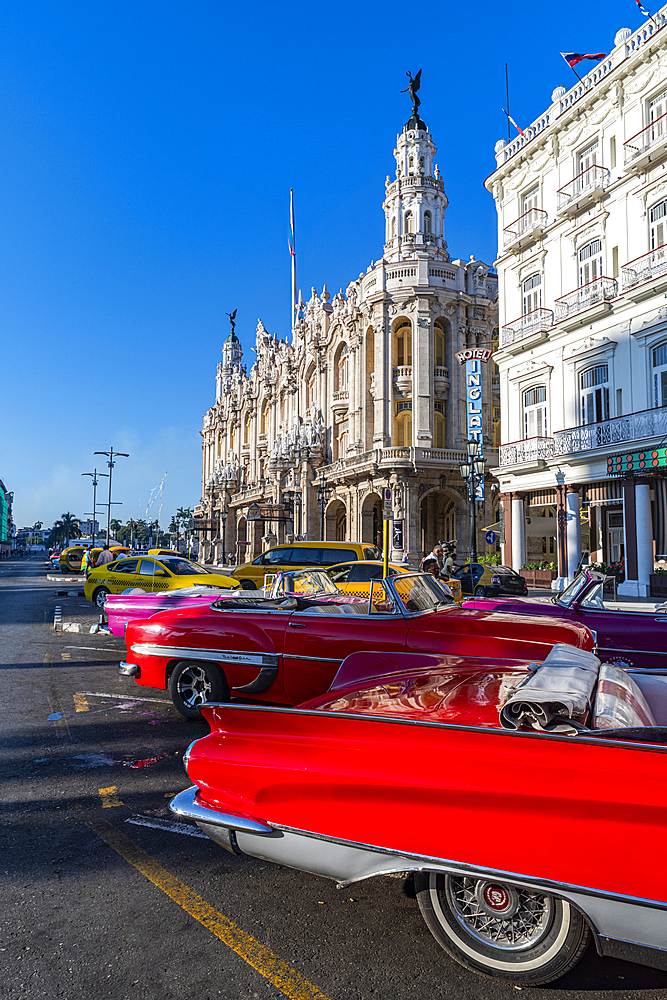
(128, 669)
(261, 683)
(514, 733)
(320, 659)
(185, 804)
(630, 652)
(480, 869)
(217, 655)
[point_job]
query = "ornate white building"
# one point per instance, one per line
(366, 394)
(582, 271)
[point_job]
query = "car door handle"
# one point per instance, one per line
(297, 625)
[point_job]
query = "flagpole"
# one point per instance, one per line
(293, 254)
(507, 92)
(572, 68)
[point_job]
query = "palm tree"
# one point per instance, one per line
(57, 533)
(70, 526)
(115, 525)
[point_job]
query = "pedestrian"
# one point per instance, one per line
(448, 565)
(105, 556)
(405, 557)
(85, 556)
(436, 554)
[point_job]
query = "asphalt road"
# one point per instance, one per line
(96, 904)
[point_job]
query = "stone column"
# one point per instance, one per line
(572, 507)
(638, 531)
(506, 546)
(518, 532)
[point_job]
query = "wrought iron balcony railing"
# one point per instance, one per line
(584, 186)
(640, 426)
(600, 290)
(531, 223)
(649, 265)
(528, 450)
(536, 321)
(653, 134)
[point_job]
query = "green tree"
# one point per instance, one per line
(70, 526)
(115, 525)
(57, 533)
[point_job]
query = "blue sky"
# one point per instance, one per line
(147, 152)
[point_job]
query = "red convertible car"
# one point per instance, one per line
(527, 800)
(634, 637)
(288, 649)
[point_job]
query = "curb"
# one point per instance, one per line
(65, 579)
(60, 626)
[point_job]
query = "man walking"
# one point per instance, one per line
(104, 557)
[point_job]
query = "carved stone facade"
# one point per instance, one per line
(366, 394)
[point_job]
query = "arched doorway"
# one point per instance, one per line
(241, 539)
(335, 522)
(438, 520)
(371, 520)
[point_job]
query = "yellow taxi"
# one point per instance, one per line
(355, 578)
(70, 558)
(150, 573)
(301, 555)
(166, 552)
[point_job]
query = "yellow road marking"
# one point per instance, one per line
(283, 976)
(66, 656)
(80, 703)
(110, 797)
(48, 656)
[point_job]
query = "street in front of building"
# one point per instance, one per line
(106, 894)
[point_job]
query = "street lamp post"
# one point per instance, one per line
(223, 522)
(473, 472)
(94, 475)
(323, 496)
(110, 455)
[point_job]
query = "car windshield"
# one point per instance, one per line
(421, 592)
(305, 583)
(571, 593)
(182, 567)
(594, 597)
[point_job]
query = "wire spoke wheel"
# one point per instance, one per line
(501, 915)
(511, 932)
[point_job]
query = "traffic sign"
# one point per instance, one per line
(490, 537)
(387, 508)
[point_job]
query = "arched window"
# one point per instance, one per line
(311, 378)
(590, 262)
(594, 387)
(439, 344)
(408, 222)
(404, 423)
(343, 438)
(264, 419)
(246, 429)
(232, 439)
(660, 375)
(535, 411)
(393, 226)
(411, 164)
(342, 367)
(532, 293)
(404, 344)
(439, 424)
(427, 222)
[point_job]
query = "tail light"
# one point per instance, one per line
(495, 580)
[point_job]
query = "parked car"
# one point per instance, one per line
(150, 574)
(288, 649)
(355, 577)
(485, 580)
(300, 555)
(635, 635)
(527, 803)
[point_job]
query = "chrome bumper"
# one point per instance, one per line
(185, 804)
(128, 669)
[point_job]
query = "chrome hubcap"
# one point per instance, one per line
(500, 915)
(194, 686)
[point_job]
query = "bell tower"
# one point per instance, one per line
(415, 202)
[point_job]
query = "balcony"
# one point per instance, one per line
(537, 321)
(593, 298)
(441, 381)
(642, 426)
(524, 230)
(369, 461)
(645, 275)
(533, 450)
(648, 146)
(586, 188)
(402, 378)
